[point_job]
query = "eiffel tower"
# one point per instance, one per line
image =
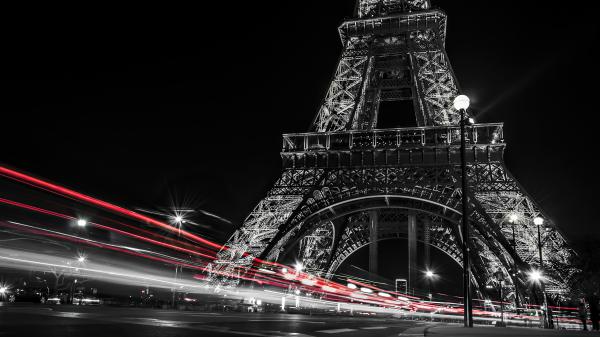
(349, 183)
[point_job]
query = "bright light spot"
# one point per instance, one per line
(284, 270)
(81, 259)
(535, 275)
(382, 294)
(81, 222)
(402, 298)
(352, 286)
(429, 274)
(538, 221)
(178, 219)
(266, 271)
(366, 290)
(358, 295)
(513, 217)
(308, 282)
(3, 290)
(471, 120)
(329, 289)
(258, 302)
(299, 267)
(297, 292)
(461, 102)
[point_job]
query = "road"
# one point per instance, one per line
(50, 321)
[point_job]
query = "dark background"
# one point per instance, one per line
(148, 105)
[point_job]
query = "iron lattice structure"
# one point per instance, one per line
(345, 168)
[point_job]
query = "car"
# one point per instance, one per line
(53, 299)
(81, 299)
(25, 294)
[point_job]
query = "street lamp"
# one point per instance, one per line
(461, 103)
(81, 222)
(514, 218)
(500, 283)
(430, 276)
(537, 275)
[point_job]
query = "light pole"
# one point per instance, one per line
(461, 103)
(430, 275)
(500, 284)
(538, 222)
(513, 218)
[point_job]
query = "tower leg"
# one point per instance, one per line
(373, 247)
(412, 251)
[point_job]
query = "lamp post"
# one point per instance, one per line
(430, 275)
(461, 103)
(513, 218)
(500, 283)
(538, 222)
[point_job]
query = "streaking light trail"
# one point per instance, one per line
(63, 191)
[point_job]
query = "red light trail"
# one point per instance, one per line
(63, 191)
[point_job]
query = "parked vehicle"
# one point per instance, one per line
(26, 294)
(82, 299)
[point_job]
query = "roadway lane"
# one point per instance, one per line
(50, 321)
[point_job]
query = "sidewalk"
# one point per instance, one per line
(459, 331)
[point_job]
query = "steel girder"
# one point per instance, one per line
(305, 202)
(368, 8)
(357, 88)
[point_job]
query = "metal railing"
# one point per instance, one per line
(490, 133)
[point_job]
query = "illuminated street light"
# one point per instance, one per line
(81, 222)
(81, 259)
(3, 290)
(298, 267)
(352, 286)
(535, 275)
(513, 217)
(471, 120)
(461, 102)
(538, 221)
(178, 219)
(429, 274)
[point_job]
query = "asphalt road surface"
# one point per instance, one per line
(50, 321)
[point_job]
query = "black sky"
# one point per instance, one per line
(133, 104)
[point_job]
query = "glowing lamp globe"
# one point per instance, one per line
(538, 221)
(535, 275)
(461, 102)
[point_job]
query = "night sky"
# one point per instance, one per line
(142, 105)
